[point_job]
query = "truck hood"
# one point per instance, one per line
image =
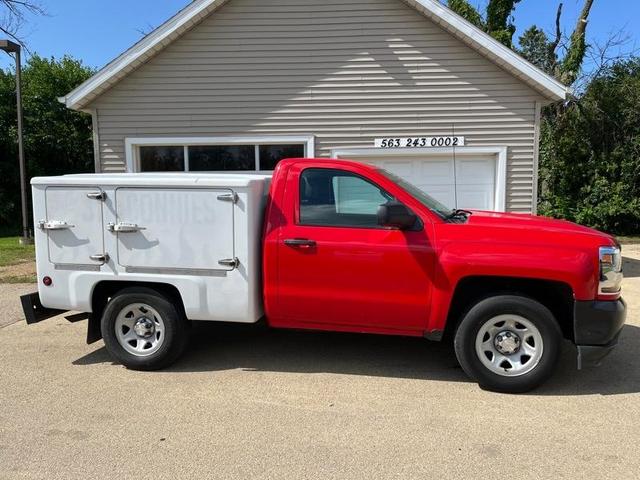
(529, 223)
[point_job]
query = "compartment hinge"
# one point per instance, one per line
(229, 197)
(229, 262)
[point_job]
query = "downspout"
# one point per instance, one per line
(96, 140)
(536, 156)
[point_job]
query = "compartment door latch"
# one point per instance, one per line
(124, 227)
(54, 225)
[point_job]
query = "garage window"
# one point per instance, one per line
(270, 155)
(221, 157)
(166, 158)
(214, 158)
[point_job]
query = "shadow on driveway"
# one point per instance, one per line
(248, 347)
(630, 267)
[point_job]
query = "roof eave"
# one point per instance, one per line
(116, 69)
(551, 88)
(83, 95)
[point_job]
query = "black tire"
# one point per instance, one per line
(486, 311)
(175, 329)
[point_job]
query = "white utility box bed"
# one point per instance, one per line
(198, 232)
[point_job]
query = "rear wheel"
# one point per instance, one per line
(143, 330)
(508, 343)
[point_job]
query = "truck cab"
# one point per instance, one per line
(323, 245)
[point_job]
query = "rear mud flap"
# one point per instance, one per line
(93, 326)
(93, 329)
(33, 310)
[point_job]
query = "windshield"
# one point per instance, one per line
(427, 200)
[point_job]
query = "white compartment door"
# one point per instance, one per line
(74, 225)
(175, 229)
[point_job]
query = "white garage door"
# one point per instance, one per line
(469, 179)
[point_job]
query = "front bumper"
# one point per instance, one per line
(597, 326)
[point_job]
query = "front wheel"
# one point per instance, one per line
(143, 330)
(508, 343)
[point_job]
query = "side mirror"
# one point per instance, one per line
(396, 215)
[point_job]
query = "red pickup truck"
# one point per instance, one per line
(345, 247)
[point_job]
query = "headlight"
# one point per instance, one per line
(610, 270)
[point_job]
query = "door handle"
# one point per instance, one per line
(229, 197)
(97, 195)
(300, 242)
(100, 257)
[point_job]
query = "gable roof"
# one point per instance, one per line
(192, 14)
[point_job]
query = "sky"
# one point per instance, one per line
(97, 31)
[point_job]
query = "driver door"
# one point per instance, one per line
(337, 268)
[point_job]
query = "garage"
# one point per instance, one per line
(403, 84)
(465, 178)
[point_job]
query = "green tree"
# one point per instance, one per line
(497, 21)
(500, 20)
(57, 140)
(590, 154)
(542, 51)
(535, 47)
(467, 11)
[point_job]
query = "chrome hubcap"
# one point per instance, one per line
(139, 329)
(507, 342)
(144, 327)
(509, 345)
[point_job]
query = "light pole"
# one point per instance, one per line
(11, 47)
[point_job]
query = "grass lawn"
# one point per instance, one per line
(16, 261)
(12, 253)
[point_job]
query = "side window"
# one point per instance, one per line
(338, 198)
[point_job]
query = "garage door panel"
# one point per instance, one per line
(475, 197)
(443, 193)
(478, 172)
(404, 169)
(473, 185)
(436, 172)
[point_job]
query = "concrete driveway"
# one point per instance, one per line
(246, 403)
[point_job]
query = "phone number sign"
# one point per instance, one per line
(418, 142)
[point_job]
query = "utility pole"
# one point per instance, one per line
(12, 47)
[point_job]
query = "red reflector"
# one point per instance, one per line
(47, 281)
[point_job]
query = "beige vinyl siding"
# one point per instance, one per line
(344, 71)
